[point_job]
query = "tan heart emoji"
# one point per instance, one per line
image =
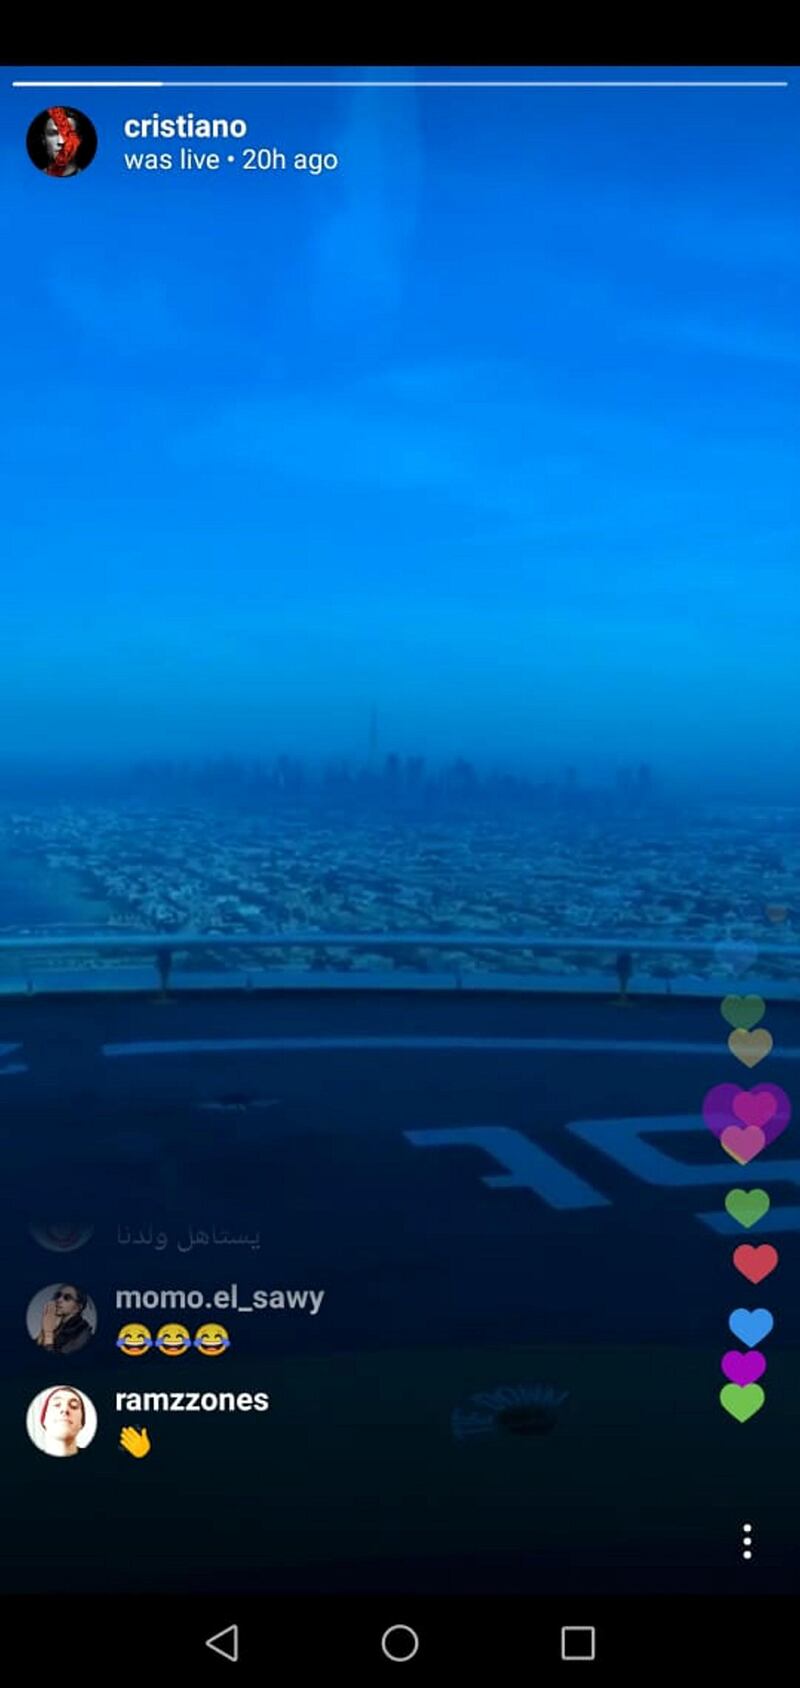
(750, 1047)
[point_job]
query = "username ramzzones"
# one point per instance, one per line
(190, 1401)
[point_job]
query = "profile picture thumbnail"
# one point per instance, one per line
(60, 1238)
(61, 141)
(61, 1421)
(61, 1318)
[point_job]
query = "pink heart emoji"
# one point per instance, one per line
(743, 1143)
(755, 1107)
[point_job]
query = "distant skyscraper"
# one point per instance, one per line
(373, 737)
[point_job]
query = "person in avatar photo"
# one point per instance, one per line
(61, 1319)
(61, 1421)
(61, 141)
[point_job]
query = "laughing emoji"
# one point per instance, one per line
(134, 1339)
(212, 1339)
(173, 1339)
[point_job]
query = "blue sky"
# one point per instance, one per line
(496, 426)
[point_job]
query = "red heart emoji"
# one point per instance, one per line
(743, 1143)
(755, 1107)
(755, 1263)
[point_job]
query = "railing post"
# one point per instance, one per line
(624, 970)
(164, 965)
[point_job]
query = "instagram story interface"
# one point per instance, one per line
(400, 846)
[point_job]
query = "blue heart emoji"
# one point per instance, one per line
(751, 1326)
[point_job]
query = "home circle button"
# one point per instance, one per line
(400, 1643)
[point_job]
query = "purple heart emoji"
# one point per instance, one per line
(718, 1107)
(765, 1106)
(743, 1368)
(743, 1142)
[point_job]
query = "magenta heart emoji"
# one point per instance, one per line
(754, 1109)
(743, 1368)
(766, 1107)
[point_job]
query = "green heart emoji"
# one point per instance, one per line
(747, 1206)
(742, 1401)
(743, 1011)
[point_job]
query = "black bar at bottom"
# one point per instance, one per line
(258, 1637)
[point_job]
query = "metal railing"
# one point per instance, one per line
(629, 961)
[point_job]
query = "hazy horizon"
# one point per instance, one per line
(666, 784)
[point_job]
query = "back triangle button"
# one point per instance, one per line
(226, 1643)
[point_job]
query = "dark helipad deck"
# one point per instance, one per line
(493, 1191)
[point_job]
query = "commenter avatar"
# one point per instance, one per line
(61, 1421)
(61, 141)
(61, 1318)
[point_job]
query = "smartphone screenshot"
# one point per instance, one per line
(400, 869)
